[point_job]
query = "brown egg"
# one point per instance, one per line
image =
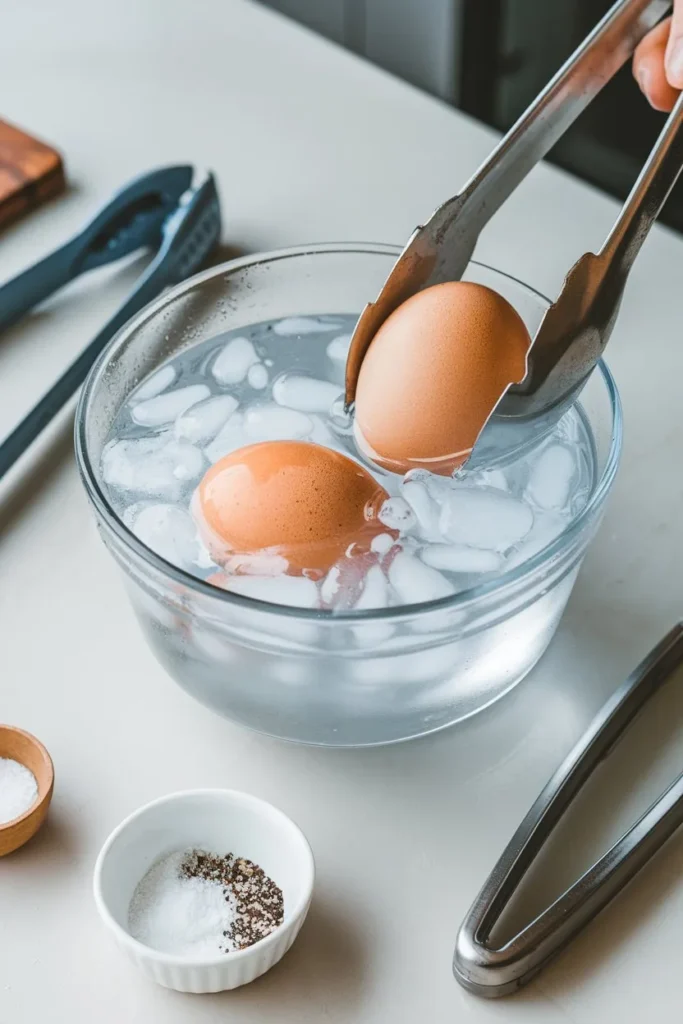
(291, 498)
(433, 374)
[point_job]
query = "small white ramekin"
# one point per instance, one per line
(222, 821)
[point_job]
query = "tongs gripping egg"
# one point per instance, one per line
(434, 373)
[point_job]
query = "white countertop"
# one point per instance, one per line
(309, 143)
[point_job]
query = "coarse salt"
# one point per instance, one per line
(18, 789)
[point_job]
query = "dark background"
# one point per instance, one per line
(510, 50)
(490, 58)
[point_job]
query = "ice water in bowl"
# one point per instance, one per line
(283, 380)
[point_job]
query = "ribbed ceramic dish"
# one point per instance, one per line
(221, 821)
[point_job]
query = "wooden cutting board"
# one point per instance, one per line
(30, 173)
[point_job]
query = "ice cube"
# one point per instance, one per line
(382, 543)
(338, 348)
(229, 439)
(202, 422)
(155, 412)
(261, 564)
(375, 594)
(306, 394)
(186, 460)
(484, 518)
(547, 527)
(459, 558)
(296, 591)
(321, 435)
(233, 362)
(292, 325)
(397, 514)
(121, 460)
(154, 466)
(154, 385)
(273, 423)
(170, 532)
(331, 585)
(130, 514)
(415, 492)
(258, 377)
(551, 478)
(415, 582)
(484, 478)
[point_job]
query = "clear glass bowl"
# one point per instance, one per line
(334, 679)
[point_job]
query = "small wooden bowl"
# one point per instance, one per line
(27, 750)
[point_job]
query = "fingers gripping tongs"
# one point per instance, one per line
(167, 211)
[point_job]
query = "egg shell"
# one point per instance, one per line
(294, 498)
(434, 373)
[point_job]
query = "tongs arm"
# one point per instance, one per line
(555, 109)
(494, 971)
(441, 249)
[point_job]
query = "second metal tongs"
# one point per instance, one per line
(577, 326)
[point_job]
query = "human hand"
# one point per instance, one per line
(658, 61)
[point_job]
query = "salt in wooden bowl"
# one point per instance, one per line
(27, 750)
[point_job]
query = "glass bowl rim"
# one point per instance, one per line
(472, 595)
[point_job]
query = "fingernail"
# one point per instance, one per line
(674, 65)
(644, 77)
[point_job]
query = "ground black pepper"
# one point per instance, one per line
(259, 901)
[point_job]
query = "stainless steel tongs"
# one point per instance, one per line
(577, 326)
(489, 970)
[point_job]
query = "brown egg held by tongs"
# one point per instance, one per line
(433, 372)
(418, 323)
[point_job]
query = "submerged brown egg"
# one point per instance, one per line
(290, 498)
(433, 374)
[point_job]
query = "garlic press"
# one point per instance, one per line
(172, 211)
